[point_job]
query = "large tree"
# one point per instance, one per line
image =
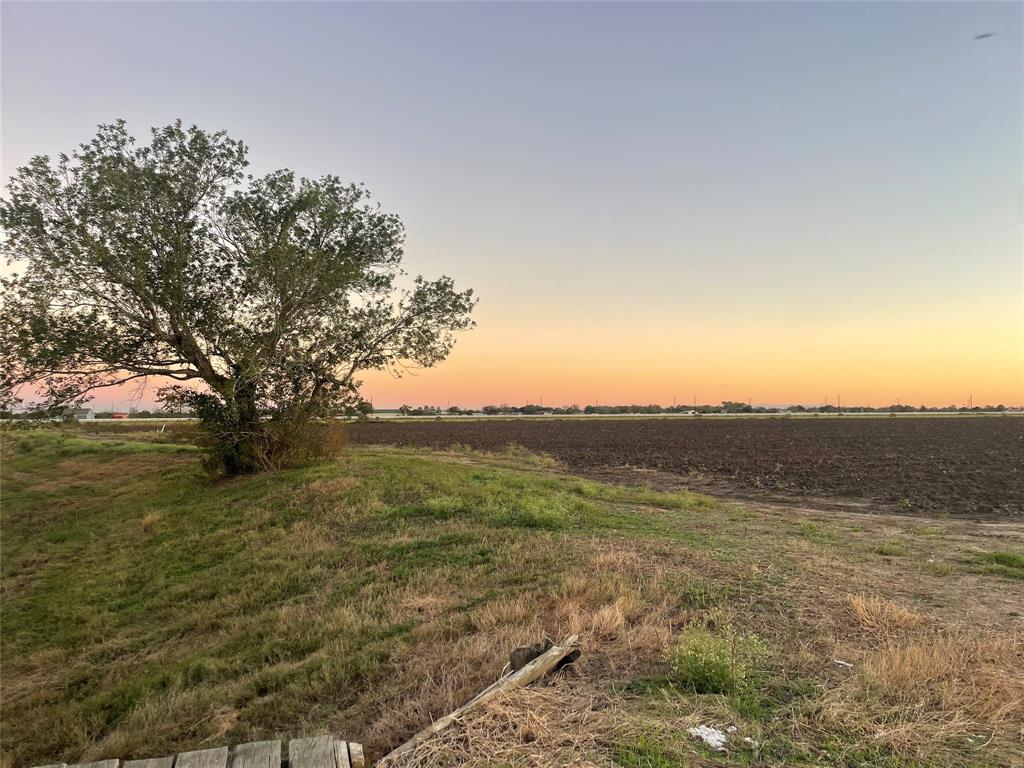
(257, 300)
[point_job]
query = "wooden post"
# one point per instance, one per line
(532, 671)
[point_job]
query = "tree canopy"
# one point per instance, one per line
(258, 301)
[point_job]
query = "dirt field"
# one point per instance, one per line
(962, 466)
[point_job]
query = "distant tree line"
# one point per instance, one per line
(364, 409)
(727, 406)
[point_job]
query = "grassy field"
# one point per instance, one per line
(147, 609)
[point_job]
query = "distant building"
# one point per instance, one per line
(73, 414)
(119, 415)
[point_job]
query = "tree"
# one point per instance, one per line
(258, 300)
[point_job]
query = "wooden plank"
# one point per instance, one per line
(98, 764)
(257, 754)
(203, 758)
(312, 752)
(150, 762)
(355, 755)
(53, 765)
(341, 754)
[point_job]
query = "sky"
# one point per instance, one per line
(773, 202)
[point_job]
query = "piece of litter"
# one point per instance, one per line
(713, 737)
(842, 663)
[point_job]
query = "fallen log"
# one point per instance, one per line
(520, 678)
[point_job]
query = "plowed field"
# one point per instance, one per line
(963, 466)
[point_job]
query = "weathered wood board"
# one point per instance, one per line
(257, 754)
(309, 752)
(150, 762)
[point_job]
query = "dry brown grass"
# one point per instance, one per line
(150, 521)
(919, 693)
(451, 659)
(548, 727)
(879, 614)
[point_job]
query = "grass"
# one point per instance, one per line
(708, 662)
(147, 609)
(644, 751)
(877, 614)
(1009, 564)
(891, 549)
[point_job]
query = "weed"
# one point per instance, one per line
(819, 533)
(706, 662)
(891, 549)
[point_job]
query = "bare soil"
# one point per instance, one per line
(960, 466)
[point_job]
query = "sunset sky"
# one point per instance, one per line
(769, 201)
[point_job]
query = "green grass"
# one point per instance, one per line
(891, 549)
(819, 533)
(139, 589)
(148, 609)
(1008, 564)
(646, 751)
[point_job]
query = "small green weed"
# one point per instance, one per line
(891, 549)
(705, 662)
(819, 533)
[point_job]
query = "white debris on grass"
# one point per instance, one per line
(713, 737)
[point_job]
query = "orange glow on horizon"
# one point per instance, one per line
(917, 360)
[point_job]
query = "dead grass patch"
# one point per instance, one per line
(549, 727)
(150, 521)
(512, 611)
(878, 614)
(921, 693)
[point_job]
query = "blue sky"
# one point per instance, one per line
(647, 197)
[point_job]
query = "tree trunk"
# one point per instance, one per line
(239, 441)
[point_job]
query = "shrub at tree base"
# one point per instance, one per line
(277, 445)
